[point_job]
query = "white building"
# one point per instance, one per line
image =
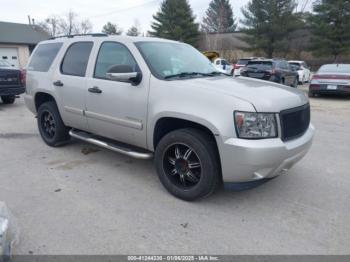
(17, 41)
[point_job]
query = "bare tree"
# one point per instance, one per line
(70, 24)
(85, 26)
(51, 25)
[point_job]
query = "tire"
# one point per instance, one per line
(295, 84)
(8, 99)
(282, 81)
(311, 94)
(173, 168)
(50, 124)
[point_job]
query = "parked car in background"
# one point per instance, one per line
(11, 82)
(331, 79)
(242, 63)
(275, 70)
(223, 66)
(303, 71)
(127, 94)
(239, 64)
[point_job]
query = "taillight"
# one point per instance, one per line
(235, 66)
(22, 77)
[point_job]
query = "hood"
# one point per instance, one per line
(263, 95)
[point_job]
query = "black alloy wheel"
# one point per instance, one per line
(182, 165)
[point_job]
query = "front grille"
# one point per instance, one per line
(295, 122)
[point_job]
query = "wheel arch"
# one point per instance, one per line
(165, 124)
(42, 97)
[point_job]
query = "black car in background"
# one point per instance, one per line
(275, 70)
(11, 82)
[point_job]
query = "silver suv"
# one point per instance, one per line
(154, 98)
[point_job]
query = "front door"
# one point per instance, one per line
(69, 83)
(116, 110)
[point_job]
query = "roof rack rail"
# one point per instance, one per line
(72, 36)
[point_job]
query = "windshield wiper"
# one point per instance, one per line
(187, 74)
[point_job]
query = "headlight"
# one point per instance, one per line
(250, 125)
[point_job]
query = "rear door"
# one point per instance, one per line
(70, 86)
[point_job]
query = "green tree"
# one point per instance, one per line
(134, 30)
(219, 18)
(111, 29)
(268, 23)
(175, 20)
(330, 25)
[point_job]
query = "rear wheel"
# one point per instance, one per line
(295, 84)
(187, 164)
(311, 94)
(8, 99)
(51, 127)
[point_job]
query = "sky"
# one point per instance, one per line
(99, 12)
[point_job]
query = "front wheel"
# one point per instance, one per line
(51, 127)
(8, 99)
(295, 84)
(187, 164)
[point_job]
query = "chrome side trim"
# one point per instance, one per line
(118, 121)
(114, 147)
(74, 110)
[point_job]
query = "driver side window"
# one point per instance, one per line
(113, 54)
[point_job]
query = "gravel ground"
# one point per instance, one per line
(80, 199)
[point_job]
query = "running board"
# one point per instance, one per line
(111, 145)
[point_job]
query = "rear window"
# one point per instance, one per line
(261, 65)
(76, 59)
(335, 68)
(243, 61)
(295, 66)
(43, 57)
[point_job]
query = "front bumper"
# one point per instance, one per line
(8, 91)
(248, 160)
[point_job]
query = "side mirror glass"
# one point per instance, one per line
(124, 73)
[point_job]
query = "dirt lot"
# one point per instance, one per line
(80, 199)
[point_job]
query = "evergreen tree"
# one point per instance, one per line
(111, 29)
(268, 23)
(331, 28)
(175, 20)
(134, 30)
(219, 18)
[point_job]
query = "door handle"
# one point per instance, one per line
(58, 83)
(95, 90)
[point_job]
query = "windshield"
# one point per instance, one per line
(261, 65)
(4, 64)
(335, 68)
(167, 59)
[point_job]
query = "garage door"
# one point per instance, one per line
(9, 54)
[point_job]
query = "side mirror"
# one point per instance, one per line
(124, 73)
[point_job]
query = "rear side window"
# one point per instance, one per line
(43, 57)
(76, 59)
